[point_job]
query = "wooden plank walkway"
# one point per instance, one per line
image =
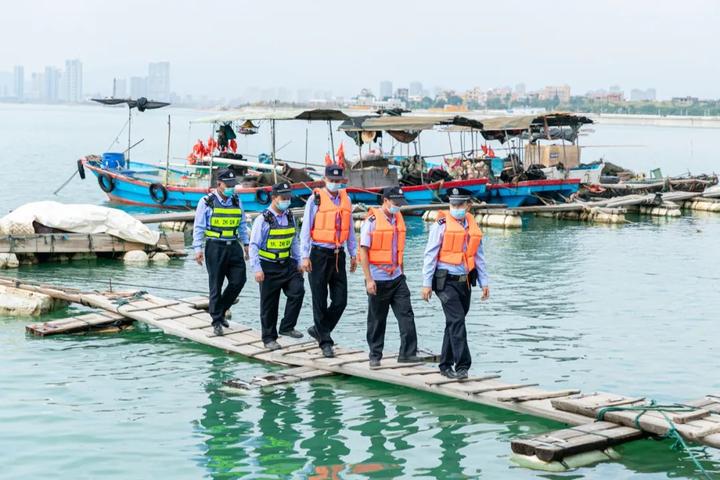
(181, 319)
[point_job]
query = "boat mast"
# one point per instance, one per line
(127, 161)
(272, 139)
(332, 140)
(167, 157)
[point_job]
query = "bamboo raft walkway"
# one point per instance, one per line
(624, 418)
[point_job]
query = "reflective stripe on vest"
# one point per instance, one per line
(224, 221)
(381, 252)
(279, 240)
(329, 215)
(460, 244)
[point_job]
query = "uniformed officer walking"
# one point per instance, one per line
(382, 244)
(454, 261)
(220, 224)
(275, 259)
(327, 228)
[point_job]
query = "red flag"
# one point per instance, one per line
(328, 160)
(340, 155)
(233, 145)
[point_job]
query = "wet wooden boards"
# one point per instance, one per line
(701, 423)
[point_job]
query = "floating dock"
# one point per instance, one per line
(67, 243)
(624, 418)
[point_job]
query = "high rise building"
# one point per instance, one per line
(119, 88)
(638, 95)
(416, 89)
(386, 89)
(51, 84)
(73, 81)
(158, 81)
(402, 93)
(19, 81)
(138, 87)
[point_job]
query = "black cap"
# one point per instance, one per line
(459, 195)
(335, 172)
(227, 176)
(282, 188)
(395, 194)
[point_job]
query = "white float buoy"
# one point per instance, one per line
(136, 257)
(160, 257)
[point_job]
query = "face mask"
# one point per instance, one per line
(229, 192)
(457, 213)
(334, 187)
(283, 205)
(393, 209)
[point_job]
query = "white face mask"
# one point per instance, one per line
(393, 209)
(333, 186)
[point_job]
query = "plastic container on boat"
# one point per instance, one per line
(113, 160)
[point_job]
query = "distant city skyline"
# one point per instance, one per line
(53, 84)
(320, 46)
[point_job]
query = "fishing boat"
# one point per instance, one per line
(163, 186)
(421, 185)
(531, 172)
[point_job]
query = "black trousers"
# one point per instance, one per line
(222, 261)
(328, 275)
(455, 300)
(285, 278)
(396, 294)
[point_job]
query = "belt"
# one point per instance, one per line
(220, 241)
(456, 278)
(328, 251)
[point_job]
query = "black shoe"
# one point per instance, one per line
(225, 323)
(410, 359)
(374, 363)
(292, 333)
(449, 373)
(272, 345)
(218, 330)
(328, 352)
(313, 333)
(461, 373)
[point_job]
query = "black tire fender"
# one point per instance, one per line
(158, 192)
(106, 182)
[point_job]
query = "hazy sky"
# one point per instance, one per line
(220, 48)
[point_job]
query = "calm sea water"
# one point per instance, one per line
(627, 309)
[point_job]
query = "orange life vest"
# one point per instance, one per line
(324, 228)
(381, 252)
(453, 249)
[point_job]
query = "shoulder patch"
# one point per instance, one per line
(441, 221)
(371, 218)
(316, 199)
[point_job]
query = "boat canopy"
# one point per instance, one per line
(141, 103)
(556, 124)
(404, 129)
(258, 114)
(405, 123)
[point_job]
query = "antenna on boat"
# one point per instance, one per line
(141, 104)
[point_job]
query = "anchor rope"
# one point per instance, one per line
(672, 433)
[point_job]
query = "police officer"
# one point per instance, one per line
(382, 244)
(220, 223)
(275, 259)
(327, 228)
(454, 260)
